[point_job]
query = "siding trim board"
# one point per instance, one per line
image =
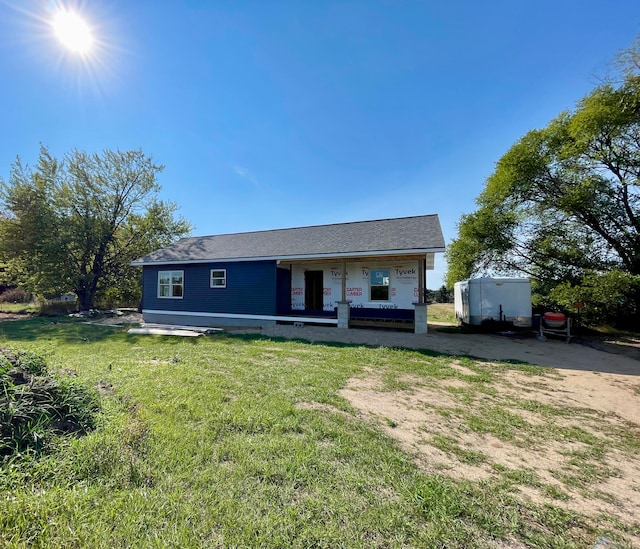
(317, 320)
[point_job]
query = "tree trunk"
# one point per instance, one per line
(85, 299)
(86, 292)
(88, 285)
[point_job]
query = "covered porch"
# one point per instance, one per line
(375, 290)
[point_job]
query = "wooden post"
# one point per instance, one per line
(344, 281)
(422, 269)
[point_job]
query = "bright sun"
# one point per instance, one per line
(73, 32)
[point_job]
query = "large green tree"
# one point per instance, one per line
(563, 205)
(74, 225)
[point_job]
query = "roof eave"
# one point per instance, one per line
(295, 257)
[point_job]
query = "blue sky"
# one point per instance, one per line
(270, 114)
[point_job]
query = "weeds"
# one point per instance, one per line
(35, 405)
(15, 295)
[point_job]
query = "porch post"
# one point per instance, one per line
(420, 318)
(344, 312)
(420, 314)
(422, 270)
(344, 281)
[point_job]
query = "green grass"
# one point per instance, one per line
(245, 441)
(19, 308)
(442, 312)
(450, 445)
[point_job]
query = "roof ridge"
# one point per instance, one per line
(313, 226)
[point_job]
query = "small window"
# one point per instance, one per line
(171, 284)
(380, 285)
(218, 278)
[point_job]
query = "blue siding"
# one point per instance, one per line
(251, 288)
(283, 303)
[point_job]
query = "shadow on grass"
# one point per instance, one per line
(542, 356)
(55, 328)
(233, 338)
(73, 330)
(77, 331)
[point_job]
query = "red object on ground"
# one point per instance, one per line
(554, 320)
(554, 316)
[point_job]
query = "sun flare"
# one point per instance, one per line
(73, 32)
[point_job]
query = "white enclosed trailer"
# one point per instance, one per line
(499, 299)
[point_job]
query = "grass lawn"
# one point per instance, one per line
(442, 312)
(244, 441)
(19, 308)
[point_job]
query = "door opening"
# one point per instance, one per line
(313, 290)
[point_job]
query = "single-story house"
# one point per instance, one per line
(326, 274)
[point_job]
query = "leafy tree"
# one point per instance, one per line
(563, 205)
(75, 225)
(444, 295)
(607, 295)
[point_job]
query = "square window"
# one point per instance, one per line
(171, 284)
(218, 278)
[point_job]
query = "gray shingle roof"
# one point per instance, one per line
(416, 234)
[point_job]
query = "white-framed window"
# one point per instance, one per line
(379, 286)
(171, 284)
(218, 278)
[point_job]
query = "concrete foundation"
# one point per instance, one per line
(208, 321)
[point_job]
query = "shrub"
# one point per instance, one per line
(612, 297)
(36, 405)
(15, 295)
(114, 297)
(57, 308)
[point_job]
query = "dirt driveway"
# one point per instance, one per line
(553, 352)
